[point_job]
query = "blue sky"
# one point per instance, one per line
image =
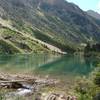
(88, 4)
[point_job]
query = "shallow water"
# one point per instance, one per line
(50, 65)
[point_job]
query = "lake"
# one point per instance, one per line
(57, 66)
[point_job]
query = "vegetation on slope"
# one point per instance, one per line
(89, 88)
(65, 26)
(13, 42)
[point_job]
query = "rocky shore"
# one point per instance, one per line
(28, 86)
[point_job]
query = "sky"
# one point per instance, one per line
(87, 4)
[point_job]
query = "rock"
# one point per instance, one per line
(55, 96)
(16, 85)
(11, 85)
(26, 86)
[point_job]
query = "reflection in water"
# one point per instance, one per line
(45, 64)
(24, 62)
(67, 65)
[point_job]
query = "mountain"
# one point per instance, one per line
(44, 26)
(93, 14)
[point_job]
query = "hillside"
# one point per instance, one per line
(55, 22)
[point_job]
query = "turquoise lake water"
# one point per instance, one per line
(45, 64)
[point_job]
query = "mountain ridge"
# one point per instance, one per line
(58, 23)
(93, 14)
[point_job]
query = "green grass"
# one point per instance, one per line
(9, 47)
(88, 88)
(12, 42)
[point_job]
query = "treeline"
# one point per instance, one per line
(92, 47)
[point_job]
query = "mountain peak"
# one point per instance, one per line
(54, 1)
(93, 14)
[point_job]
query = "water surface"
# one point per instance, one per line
(45, 64)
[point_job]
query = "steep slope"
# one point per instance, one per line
(55, 22)
(13, 41)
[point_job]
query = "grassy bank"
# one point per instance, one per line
(89, 88)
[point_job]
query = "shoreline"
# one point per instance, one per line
(31, 86)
